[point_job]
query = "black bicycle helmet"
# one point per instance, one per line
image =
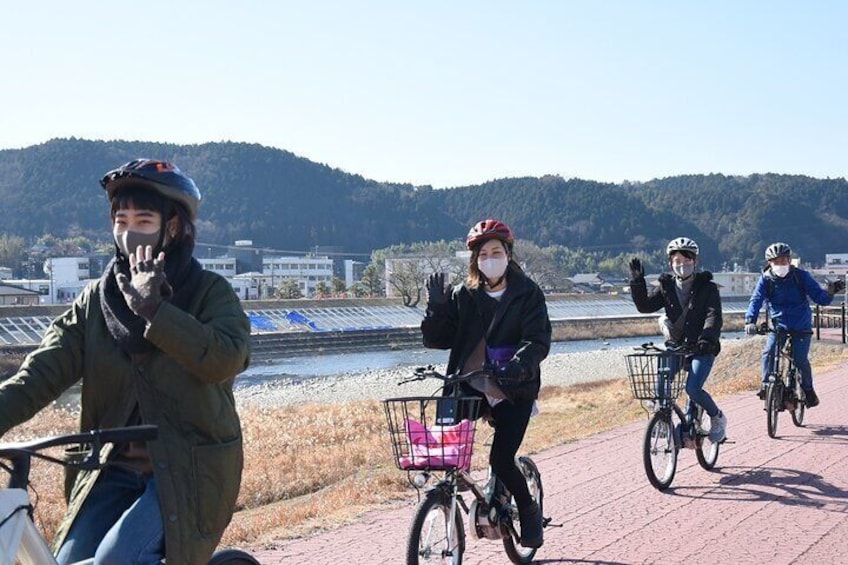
(778, 249)
(683, 245)
(163, 177)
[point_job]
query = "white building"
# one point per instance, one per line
(307, 271)
(224, 266)
(67, 269)
(5, 273)
(353, 272)
(835, 264)
(250, 286)
(736, 283)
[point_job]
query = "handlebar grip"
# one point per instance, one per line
(127, 434)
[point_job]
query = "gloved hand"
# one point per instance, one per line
(835, 287)
(705, 347)
(637, 271)
(511, 373)
(148, 287)
(750, 328)
(436, 292)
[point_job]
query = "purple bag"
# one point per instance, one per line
(500, 355)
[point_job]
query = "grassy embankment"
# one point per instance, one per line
(317, 466)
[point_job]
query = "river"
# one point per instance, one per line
(359, 362)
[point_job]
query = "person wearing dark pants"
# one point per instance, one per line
(496, 319)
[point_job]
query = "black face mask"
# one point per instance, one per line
(129, 241)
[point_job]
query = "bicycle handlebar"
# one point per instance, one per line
(20, 454)
(683, 349)
(764, 329)
(95, 437)
(422, 373)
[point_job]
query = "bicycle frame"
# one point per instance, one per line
(657, 378)
(492, 514)
(782, 349)
(782, 385)
(21, 538)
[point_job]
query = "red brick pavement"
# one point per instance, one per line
(770, 501)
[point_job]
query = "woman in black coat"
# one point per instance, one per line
(496, 319)
(692, 317)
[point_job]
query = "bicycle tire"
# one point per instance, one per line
(659, 446)
(774, 403)
(432, 519)
(517, 553)
(706, 451)
(800, 404)
(232, 557)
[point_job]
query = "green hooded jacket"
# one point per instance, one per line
(184, 387)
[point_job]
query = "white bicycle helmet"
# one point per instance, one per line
(778, 249)
(682, 244)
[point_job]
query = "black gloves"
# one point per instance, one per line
(511, 373)
(637, 271)
(148, 287)
(705, 347)
(835, 287)
(437, 294)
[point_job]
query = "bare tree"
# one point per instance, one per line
(407, 279)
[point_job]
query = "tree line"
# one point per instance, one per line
(282, 201)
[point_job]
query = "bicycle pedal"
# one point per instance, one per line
(546, 523)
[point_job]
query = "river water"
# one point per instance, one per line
(361, 362)
(365, 361)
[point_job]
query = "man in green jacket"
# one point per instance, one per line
(157, 340)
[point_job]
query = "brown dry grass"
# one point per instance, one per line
(314, 466)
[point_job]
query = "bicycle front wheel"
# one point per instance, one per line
(659, 450)
(436, 537)
(517, 553)
(705, 450)
(800, 405)
(774, 403)
(232, 557)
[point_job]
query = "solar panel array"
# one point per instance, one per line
(28, 330)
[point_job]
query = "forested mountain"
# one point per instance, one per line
(282, 201)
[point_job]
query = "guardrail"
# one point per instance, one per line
(830, 318)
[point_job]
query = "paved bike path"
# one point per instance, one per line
(773, 501)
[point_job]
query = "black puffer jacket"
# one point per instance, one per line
(703, 322)
(522, 322)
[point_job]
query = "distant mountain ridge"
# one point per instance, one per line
(283, 201)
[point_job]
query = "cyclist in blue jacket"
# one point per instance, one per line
(787, 288)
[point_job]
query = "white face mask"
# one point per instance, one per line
(780, 270)
(683, 270)
(493, 268)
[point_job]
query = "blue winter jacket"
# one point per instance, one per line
(787, 299)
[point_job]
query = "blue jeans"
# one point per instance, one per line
(120, 522)
(800, 355)
(699, 369)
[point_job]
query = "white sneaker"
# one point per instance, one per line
(718, 426)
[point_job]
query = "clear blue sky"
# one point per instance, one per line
(444, 93)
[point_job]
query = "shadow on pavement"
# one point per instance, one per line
(786, 486)
(836, 434)
(565, 560)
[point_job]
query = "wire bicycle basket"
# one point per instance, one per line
(656, 375)
(432, 433)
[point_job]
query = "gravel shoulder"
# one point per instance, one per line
(563, 369)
